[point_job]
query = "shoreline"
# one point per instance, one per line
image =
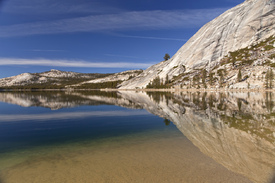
(149, 90)
(193, 90)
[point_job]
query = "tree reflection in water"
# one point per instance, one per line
(235, 129)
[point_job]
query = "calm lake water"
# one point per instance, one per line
(137, 137)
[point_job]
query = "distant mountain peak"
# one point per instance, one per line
(55, 70)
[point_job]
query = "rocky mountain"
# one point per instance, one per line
(110, 81)
(52, 78)
(121, 76)
(62, 79)
(243, 26)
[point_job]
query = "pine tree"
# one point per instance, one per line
(203, 78)
(239, 76)
(221, 75)
(211, 78)
(166, 79)
(194, 80)
(166, 57)
(167, 122)
(269, 78)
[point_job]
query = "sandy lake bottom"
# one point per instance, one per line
(163, 156)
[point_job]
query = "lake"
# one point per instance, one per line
(129, 136)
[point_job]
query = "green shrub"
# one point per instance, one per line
(272, 56)
(268, 47)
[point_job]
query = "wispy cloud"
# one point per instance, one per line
(149, 37)
(72, 63)
(122, 56)
(70, 115)
(135, 20)
(49, 7)
(35, 50)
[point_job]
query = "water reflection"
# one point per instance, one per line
(68, 115)
(54, 100)
(235, 129)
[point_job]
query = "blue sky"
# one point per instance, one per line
(97, 36)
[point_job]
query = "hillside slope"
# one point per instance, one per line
(50, 79)
(246, 24)
(109, 81)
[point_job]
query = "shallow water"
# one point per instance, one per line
(136, 137)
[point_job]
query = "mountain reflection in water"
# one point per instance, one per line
(237, 130)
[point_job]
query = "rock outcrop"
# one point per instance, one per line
(244, 25)
(117, 77)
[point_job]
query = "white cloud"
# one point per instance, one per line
(50, 7)
(36, 50)
(70, 115)
(135, 20)
(72, 63)
(123, 56)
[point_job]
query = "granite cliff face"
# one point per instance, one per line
(244, 25)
